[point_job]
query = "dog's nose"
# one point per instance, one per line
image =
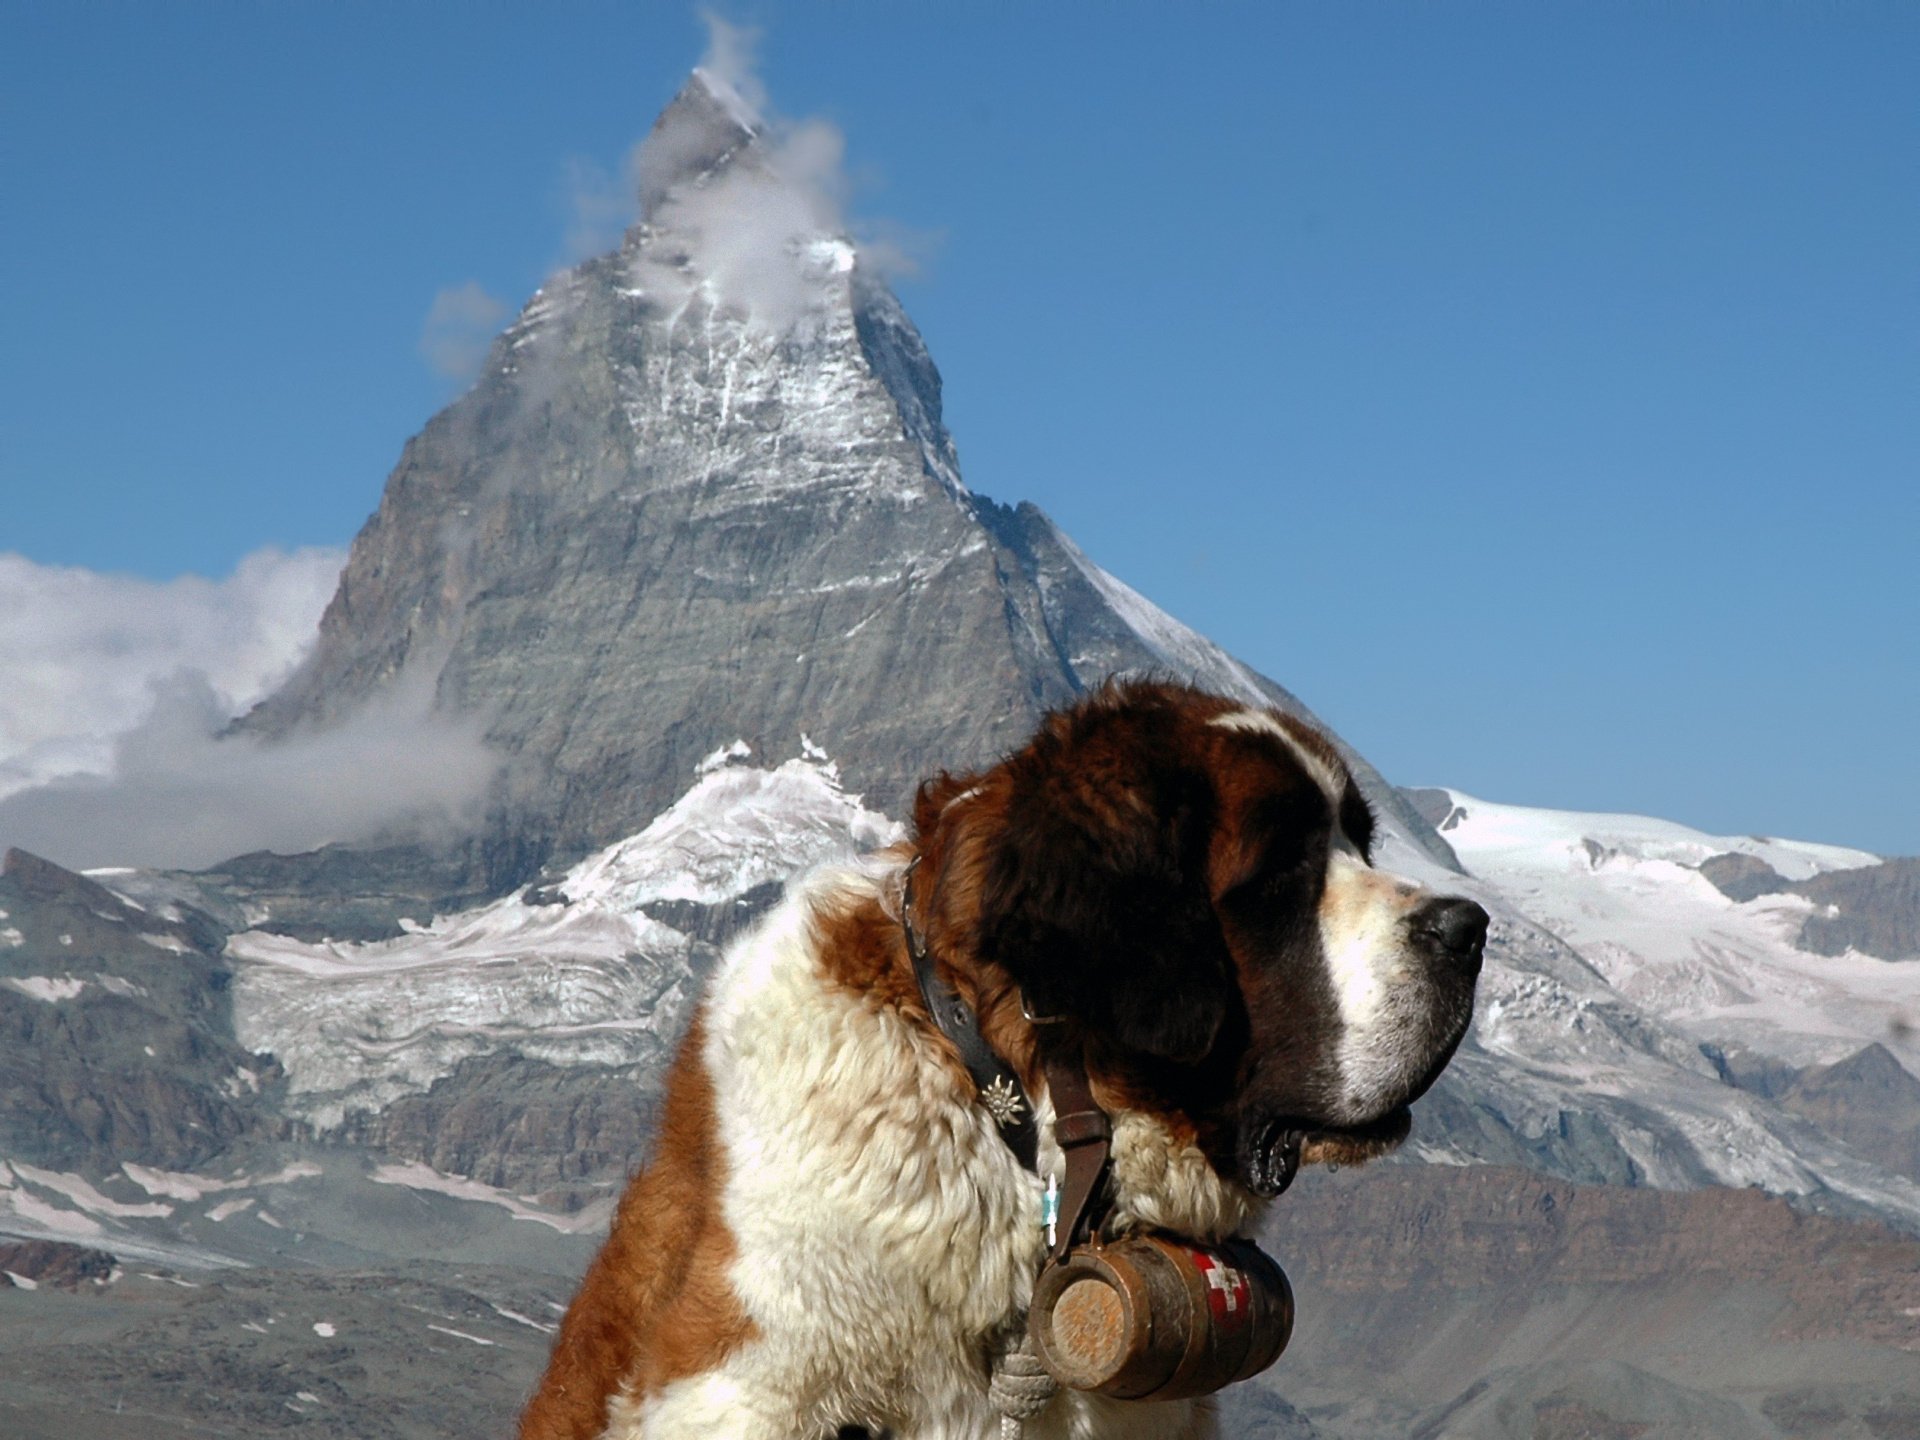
(1457, 929)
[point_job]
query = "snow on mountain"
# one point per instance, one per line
(1614, 969)
(1490, 829)
(588, 1220)
(1618, 978)
(737, 829)
(1626, 892)
(37, 1203)
(1179, 647)
(578, 974)
(1586, 1059)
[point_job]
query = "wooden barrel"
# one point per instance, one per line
(1151, 1317)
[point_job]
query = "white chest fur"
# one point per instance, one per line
(886, 1236)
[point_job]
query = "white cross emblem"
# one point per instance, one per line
(1228, 1283)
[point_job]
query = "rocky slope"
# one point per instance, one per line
(116, 1030)
(1434, 1301)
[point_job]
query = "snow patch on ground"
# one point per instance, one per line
(514, 1315)
(416, 1176)
(460, 1334)
(49, 1205)
(82, 1195)
(179, 1185)
(21, 1211)
(49, 988)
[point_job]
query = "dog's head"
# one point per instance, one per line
(1186, 884)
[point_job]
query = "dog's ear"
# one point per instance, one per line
(1095, 894)
(935, 794)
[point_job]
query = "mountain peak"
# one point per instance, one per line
(703, 492)
(706, 126)
(723, 92)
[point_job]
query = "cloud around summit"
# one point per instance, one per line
(763, 236)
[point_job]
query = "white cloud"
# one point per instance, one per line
(111, 730)
(459, 327)
(80, 650)
(733, 59)
(765, 238)
(767, 235)
(183, 795)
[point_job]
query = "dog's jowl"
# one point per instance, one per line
(1156, 927)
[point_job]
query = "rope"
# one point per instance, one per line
(1021, 1386)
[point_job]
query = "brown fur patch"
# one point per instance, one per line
(656, 1305)
(862, 948)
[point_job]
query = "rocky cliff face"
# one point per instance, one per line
(1874, 909)
(690, 502)
(116, 1031)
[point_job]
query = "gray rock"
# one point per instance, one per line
(116, 1039)
(1436, 807)
(565, 1133)
(53, 1262)
(1742, 877)
(419, 1355)
(1867, 1100)
(1874, 909)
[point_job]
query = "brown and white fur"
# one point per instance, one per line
(831, 1233)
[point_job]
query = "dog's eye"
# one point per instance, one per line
(1293, 858)
(1285, 841)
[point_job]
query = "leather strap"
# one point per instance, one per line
(1085, 1134)
(1080, 1126)
(999, 1089)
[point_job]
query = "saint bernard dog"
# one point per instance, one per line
(832, 1237)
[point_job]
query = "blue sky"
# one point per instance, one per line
(1533, 389)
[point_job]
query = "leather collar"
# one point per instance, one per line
(999, 1089)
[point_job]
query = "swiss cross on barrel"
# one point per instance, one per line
(1228, 1294)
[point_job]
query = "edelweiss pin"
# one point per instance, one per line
(1003, 1102)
